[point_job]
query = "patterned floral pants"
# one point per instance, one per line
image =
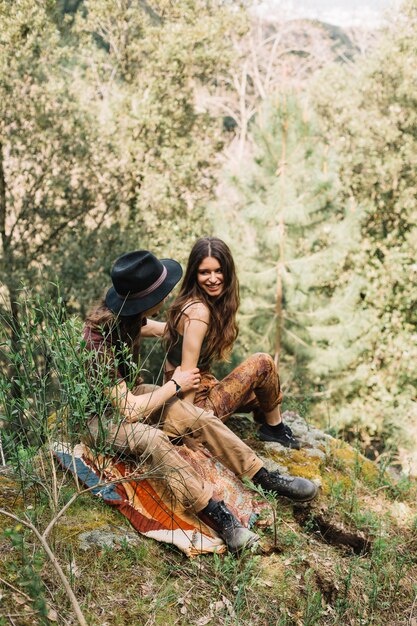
(252, 386)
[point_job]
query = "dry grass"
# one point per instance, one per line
(309, 577)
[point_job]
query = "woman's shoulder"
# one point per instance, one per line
(196, 309)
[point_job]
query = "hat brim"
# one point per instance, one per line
(125, 307)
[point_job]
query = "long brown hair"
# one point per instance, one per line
(122, 329)
(223, 330)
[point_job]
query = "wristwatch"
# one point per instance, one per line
(177, 388)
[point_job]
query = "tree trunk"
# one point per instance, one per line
(3, 207)
(279, 292)
(7, 264)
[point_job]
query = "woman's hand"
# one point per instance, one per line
(187, 379)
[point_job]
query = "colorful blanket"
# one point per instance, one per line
(144, 501)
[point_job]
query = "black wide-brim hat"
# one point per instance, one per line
(140, 282)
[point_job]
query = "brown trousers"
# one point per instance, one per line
(175, 419)
(252, 386)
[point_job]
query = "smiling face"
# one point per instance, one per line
(210, 277)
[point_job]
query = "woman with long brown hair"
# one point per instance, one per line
(202, 329)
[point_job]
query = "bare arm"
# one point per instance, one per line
(195, 329)
(135, 408)
(153, 328)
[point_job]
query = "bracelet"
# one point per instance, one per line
(177, 387)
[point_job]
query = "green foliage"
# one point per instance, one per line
(49, 396)
(370, 116)
(48, 170)
(313, 609)
(27, 569)
(321, 218)
(148, 64)
(289, 237)
(102, 146)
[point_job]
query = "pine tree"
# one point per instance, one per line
(289, 238)
(371, 120)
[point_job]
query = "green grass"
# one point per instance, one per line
(300, 578)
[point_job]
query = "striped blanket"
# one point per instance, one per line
(143, 499)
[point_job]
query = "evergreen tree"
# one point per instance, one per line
(371, 117)
(289, 237)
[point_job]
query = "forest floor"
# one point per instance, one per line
(349, 558)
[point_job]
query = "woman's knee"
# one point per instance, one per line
(264, 362)
(206, 419)
(143, 438)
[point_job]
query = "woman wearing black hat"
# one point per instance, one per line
(145, 417)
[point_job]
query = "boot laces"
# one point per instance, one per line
(280, 479)
(288, 435)
(288, 432)
(224, 517)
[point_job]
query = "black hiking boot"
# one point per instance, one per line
(298, 489)
(236, 537)
(279, 434)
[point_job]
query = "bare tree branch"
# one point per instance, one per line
(71, 596)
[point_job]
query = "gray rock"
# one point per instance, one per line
(107, 538)
(315, 452)
(299, 431)
(274, 445)
(272, 466)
